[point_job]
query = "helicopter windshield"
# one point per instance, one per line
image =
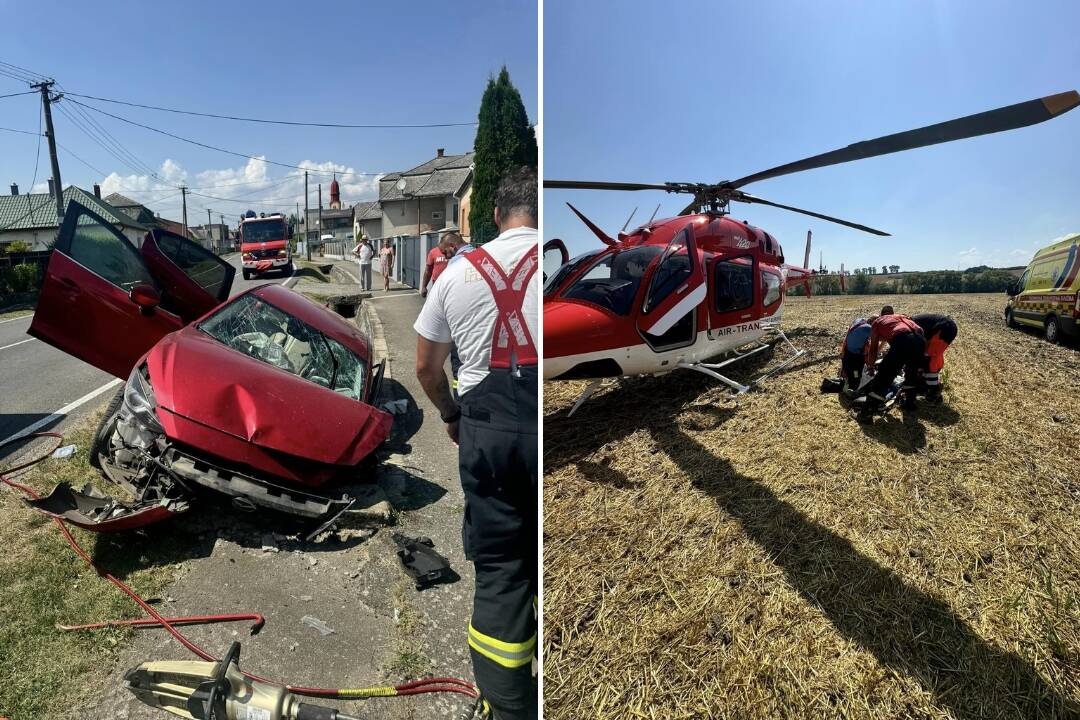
(613, 282)
(556, 278)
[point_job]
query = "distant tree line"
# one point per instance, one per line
(973, 280)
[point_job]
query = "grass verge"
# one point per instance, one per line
(43, 582)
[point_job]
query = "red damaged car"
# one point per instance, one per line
(267, 398)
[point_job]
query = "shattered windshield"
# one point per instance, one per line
(258, 329)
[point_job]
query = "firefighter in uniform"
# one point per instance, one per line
(486, 302)
(940, 331)
(907, 346)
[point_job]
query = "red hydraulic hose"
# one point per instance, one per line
(415, 687)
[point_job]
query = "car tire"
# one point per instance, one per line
(247, 275)
(100, 444)
(1052, 330)
(1009, 319)
(289, 270)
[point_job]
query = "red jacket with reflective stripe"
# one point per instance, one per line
(886, 328)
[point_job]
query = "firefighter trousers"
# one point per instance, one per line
(498, 465)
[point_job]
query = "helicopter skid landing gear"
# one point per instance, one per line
(710, 369)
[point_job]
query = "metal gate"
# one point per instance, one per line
(411, 258)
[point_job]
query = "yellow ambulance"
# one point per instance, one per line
(1045, 296)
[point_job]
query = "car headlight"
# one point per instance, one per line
(139, 399)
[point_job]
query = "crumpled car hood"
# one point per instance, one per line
(195, 376)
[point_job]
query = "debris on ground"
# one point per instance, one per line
(313, 622)
(423, 564)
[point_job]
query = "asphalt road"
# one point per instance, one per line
(45, 389)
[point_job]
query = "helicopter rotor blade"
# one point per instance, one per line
(589, 185)
(743, 197)
(1005, 118)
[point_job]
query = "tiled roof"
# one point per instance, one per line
(437, 177)
(38, 210)
(120, 201)
(367, 210)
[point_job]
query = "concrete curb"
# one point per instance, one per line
(369, 316)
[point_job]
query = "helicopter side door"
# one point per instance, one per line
(676, 288)
(733, 292)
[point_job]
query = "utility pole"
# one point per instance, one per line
(222, 233)
(183, 196)
(46, 102)
(209, 230)
(319, 230)
(307, 230)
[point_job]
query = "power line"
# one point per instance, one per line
(139, 167)
(24, 132)
(28, 92)
(29, 74)
(218, 149)
(276, 122)
(37, 154)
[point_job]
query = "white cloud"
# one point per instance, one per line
(969, 253)
(1020, 252)
(230, 191)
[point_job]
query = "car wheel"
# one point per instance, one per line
(247, 275)
(1052, 330)
(289, 270)
(100, 444)
(1009, 319)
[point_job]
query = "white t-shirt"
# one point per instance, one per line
(364, 251)
(460, 307)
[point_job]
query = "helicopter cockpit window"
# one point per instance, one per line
(734, 284)
(613, 282)
(770, 287)
(556, 278)
(674, 269)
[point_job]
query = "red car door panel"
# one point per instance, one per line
(677, 285)
(195, 280)
(84, 307)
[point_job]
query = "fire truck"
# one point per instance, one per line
(264, 244)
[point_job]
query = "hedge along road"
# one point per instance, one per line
(42, 388)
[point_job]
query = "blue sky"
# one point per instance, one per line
(705, 91)
(417, 62)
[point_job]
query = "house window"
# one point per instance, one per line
(456, 213)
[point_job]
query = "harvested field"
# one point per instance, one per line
(768, 556)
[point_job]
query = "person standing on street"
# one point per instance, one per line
(386, 260)
(487, 303)
(364, 254)
(436, 261)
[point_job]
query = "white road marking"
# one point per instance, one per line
(18, 343)
(21, 317)
(62, 412)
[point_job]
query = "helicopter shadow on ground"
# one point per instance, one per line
(906, 629)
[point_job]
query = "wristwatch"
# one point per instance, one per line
(454, 417)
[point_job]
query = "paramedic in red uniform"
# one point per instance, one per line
(486, 302)
(907, 346)
(940, 331)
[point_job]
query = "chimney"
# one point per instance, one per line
(440, 151)
(52, 189)
(97, 190)
(14, 188)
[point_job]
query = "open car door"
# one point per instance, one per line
(555, 256)
(195, 280)
(677, 285)
(99, 301)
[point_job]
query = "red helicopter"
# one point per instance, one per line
(702, 290)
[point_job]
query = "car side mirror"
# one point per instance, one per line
(1013, 290)
(146, 297)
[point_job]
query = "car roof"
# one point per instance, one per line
(321, 318)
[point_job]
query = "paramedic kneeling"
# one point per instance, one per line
(486, 303)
